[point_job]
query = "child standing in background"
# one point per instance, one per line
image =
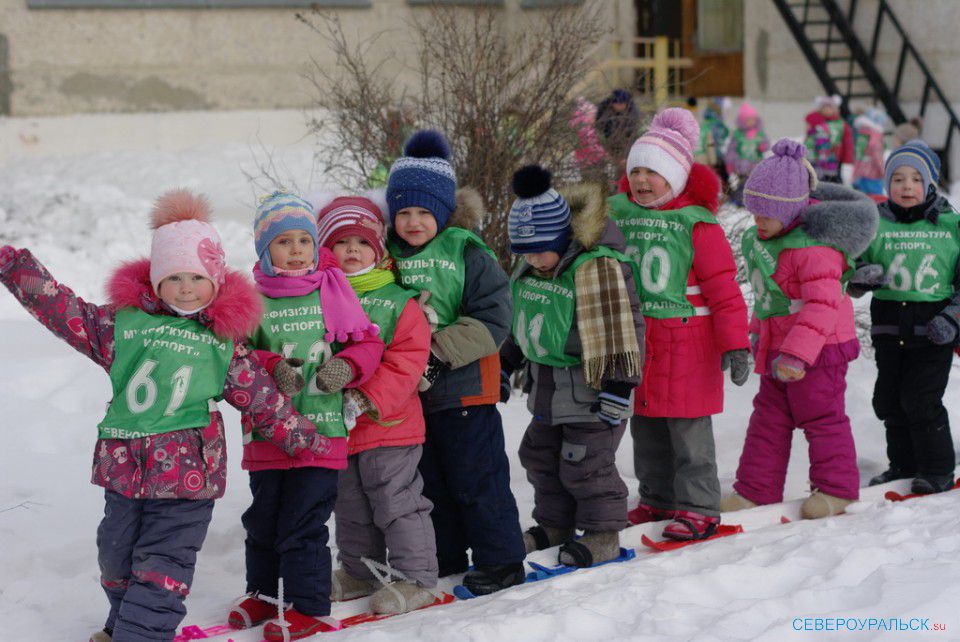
(829, 139)
(466, 297)
(915, 314)
(745, 148)
(799, 256)
(696, 322)
(312, 315)
(381, 513)
(868, 162)
(161, 452)
(578, 325)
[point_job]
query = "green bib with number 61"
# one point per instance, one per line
(543, 311)
(762, 255)
(293, 327)
(164, 374)
(660, 243)
(919, 257)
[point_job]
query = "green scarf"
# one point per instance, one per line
(372, 280)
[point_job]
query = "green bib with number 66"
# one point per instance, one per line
(762, 255)
(660, 243)
(293, 327)
(920, 258)
(543, 311)
(164, 374)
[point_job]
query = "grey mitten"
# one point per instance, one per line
(942, 330)
(287, 376)
(738, 362)
(333, 375)
(869, 277)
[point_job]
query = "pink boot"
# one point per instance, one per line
(644, 513)
(688, 525)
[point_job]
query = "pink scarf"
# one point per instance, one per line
(342, 314)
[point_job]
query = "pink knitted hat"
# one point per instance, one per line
(667, 147)
(183, 240)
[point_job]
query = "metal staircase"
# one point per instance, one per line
(826, 35)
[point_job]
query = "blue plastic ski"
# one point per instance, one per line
(541, 572)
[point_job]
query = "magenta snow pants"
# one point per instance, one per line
(815, 404)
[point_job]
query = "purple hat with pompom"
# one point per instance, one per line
(779, 186)
(667, 147)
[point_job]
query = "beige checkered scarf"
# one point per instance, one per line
(605, 322)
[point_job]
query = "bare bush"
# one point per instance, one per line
(498, 91)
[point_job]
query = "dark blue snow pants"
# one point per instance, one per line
(287, 535)
(466, 475)
(147, 549)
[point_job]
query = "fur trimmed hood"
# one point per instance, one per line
(588, 212)
(470, 210)
(233, 315)
(843, 217)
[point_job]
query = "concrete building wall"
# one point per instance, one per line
(66, 61)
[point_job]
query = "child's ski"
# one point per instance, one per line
(195, 632)
(894, 496)
(541, 572)
(361, 618)
(668, 545)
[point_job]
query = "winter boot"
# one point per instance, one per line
(537, 538)
(820, 504)
(102, 636)
(400, 597)
(484, 580)
(250, 611)
(298, 626)
(927, 484)
(889, 475)
(344, 586)
(734, 502)
(593, 548)
(644, 513)
(687, 525)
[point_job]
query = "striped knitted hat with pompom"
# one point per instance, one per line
(423, 177)
(667, 147)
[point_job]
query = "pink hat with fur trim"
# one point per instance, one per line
(183, 240)
(667, 147)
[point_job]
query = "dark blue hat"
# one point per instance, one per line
(423, 177)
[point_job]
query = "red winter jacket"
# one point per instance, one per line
(681, 371)
(393, 388)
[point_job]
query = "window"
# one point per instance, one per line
(190, 4)
(719, 25)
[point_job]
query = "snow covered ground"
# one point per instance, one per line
(80, 215)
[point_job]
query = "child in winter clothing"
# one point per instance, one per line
(380, 507)
(696, 323)
(829, 139)
(161, 453)
(799, 255)
(915, 313)
(578, 324)
(312, 317)
(713, 139)
(590, 156)
(745, 148)
(464, 294)
(869, 151)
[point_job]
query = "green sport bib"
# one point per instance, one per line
(660, 244)
(439, 269)
(920, 258)
(384, 306)
(165, 372)
(543, 311)
(293, 327)
(762, 257)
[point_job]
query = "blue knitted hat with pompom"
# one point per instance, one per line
(423, 177)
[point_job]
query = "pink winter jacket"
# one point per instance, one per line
(823, 327)
(184, 464)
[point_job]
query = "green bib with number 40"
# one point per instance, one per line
(660, 244)
(919, 257)
(762, 255)
(293, 327)
(164, 374)
(543, 311)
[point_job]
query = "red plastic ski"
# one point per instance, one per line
(894, 496)
(668, 545)
(362, 618)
